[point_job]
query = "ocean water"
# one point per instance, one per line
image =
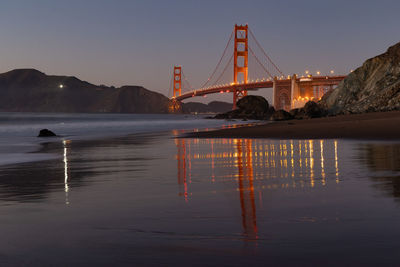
(18, 131)
(154, 199)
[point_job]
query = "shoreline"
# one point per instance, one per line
(19, 142)
(368, 126)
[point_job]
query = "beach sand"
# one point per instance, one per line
(376, 126)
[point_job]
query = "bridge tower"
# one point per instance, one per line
(241, 60)
(177, 81)
(174, 105)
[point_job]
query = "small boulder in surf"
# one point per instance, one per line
(46, 133)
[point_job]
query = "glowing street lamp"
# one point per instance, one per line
(332, 71)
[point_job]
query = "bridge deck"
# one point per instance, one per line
(252, 86)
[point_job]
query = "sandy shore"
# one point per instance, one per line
(380, 125)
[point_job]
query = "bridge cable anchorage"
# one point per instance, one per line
(258, 61)
(219, 62)
(265, 54)
(223, 72)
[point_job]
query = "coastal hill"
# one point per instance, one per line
(375, 86)
(29, 90)
(212, 107)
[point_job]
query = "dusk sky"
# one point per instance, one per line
(138, 42)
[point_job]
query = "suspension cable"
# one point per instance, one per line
(219, 62)
(190, 87)
(265, 54)
(223, 72)
(171, 84)
(265, 69)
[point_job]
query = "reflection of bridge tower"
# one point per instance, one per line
(241, 60)
(181, 158)
(246, 189)
(246, 179)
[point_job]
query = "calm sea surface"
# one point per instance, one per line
(98, 196)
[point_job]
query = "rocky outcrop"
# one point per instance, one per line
(30, 90)
(46, 133)
(310, 110)
(313, 110)
(249, 108)
(375, 86)
(281, 115)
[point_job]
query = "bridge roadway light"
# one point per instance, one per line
(318, 72)
(332, 71)
(307, 72)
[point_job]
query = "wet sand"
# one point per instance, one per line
(375, 126)
(154, 200)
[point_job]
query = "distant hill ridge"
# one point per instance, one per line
(212, 107)
(29, 90)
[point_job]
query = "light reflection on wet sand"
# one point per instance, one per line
(269, 164)
(162, 200)
(272, 159)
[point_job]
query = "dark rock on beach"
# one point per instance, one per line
(297, 113)
(249, 108)
(281, 115)
(46, 133)
(313, 110)
(253, 104)
(310, 110)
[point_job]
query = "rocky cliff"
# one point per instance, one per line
(375, 86)
(30, 90)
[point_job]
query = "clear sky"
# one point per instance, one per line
(120, 42)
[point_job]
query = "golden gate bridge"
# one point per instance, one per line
(288, 91)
